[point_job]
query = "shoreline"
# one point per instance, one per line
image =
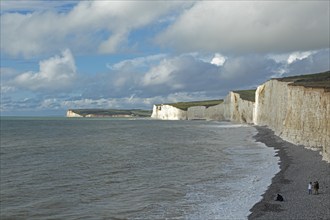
(298, 167)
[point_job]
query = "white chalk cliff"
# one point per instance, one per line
(295, 113)
(298, 114)
(233, 109)
(72, 114)
(168, 112)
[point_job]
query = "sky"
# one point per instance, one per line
(59, 55)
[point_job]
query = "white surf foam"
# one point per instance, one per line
(255, 166)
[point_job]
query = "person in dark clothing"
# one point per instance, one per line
(279, 198)
(316, 187)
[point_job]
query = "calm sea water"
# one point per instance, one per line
(58, 168)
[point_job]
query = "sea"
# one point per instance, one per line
(112, 168)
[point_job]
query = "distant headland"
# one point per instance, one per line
(102, 113)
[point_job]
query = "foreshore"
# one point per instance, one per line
(298, 167)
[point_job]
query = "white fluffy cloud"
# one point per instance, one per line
(163, 74)
(55, 74)
(218, 59)
(298, 56)
(205, 26)
(250, 27)
(90, 26)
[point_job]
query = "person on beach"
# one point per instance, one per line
(310, 188)
(316, 187)
(278, 197)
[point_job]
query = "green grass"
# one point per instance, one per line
(185, 105)
(113, 112)
(248, 95)
(318, 80)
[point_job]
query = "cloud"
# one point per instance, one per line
(139, 62)
(218, 60)
(163, 75)
(121, 80)
(188, 74)
(11, 104)
(55, 74)
(7, 73)
(298, 56)
(186, 77)
(83, 103)
(35, 5)
(155, 75)
(244, 27)
(91, 26)
(308, 62)
(301, 62)
(7, 89)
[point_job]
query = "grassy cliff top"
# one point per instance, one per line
(317, 80)
(248, 95)
(112, 112)
(185, 105)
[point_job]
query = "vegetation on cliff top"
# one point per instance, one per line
(318, 80)
(112, 112)
(248, 95)
(185, 105)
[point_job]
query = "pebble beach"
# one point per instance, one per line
(298, 167)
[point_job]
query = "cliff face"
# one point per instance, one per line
(297, 114)
(71, 114)
(168, 112)
(196, 113)
(233, 109)
(237, 109)
(215, 112)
